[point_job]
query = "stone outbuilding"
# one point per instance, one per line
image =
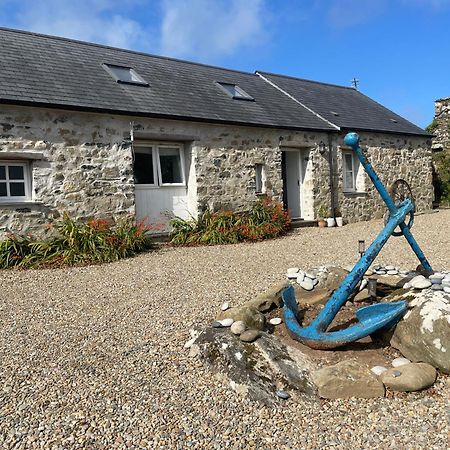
(101, 132)
(441, 125)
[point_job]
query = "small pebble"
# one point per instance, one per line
(363, 284)
(396, 373)
(378, 370)
(300, 277)
(307, 284)
(398, 362)
(275, 321)
(226, 322)
(216, 324)
(238, 327)
(249, 335)
(392, 272)
(282, 394)
(225, 306)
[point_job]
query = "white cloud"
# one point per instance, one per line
(88, 20)
(347, 13)
(207, 30)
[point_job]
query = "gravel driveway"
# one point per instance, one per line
(93, 357)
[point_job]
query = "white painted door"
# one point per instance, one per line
(292, 182)
(160, 184)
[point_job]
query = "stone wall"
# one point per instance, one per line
(392, 157)
(79, 167)
(441, 125)
(225, 169)
(83, 165)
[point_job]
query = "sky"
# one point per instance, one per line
(399, 50)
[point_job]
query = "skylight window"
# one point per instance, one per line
(124, 74)
(234, 91)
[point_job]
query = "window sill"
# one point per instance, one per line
(27, 156)
(355, 194)
(18, 204)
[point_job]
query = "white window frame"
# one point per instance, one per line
(26, 179)
(260, 179)
(345, 154)
(155, 171)
(157, 175)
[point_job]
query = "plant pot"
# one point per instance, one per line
(331, 222)
(339, 221)
(321, 223)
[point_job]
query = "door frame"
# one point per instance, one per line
(300, 151)
(158, 185)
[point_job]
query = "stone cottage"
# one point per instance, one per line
(96, 131)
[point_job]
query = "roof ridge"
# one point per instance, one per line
(297, 101)
(308, 81)
(110, 47)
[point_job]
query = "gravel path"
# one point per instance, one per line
(93, 357)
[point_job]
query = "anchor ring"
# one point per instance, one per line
(399, 191)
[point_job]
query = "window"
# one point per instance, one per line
(159, 165)
(259, 178)
(235, 91)
(124, 74)
(353, 173)
(349, 172)
(144, 170)
(14, 181)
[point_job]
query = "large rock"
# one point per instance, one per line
(347, 379)
(269, 299)
(424, 333)
(247, 314)
(329, 280)
(256, 369)
(409, 377)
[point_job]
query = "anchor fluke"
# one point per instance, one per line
(370, 319)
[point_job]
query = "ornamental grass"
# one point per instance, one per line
(266, 220)
(76, 243)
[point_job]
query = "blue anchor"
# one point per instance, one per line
(370, 318)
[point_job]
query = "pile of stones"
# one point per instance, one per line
(240, 328)
(306, 280)
(439, 281)
(265, 367)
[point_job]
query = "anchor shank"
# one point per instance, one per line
(340, 295)
(391, 205)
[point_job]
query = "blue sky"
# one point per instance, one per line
(398, 49)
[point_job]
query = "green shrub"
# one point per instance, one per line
(265, 220)
(441, 179)
(75, 242)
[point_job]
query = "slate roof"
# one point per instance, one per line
(354, 109)
(54, 71)
(42, 70)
